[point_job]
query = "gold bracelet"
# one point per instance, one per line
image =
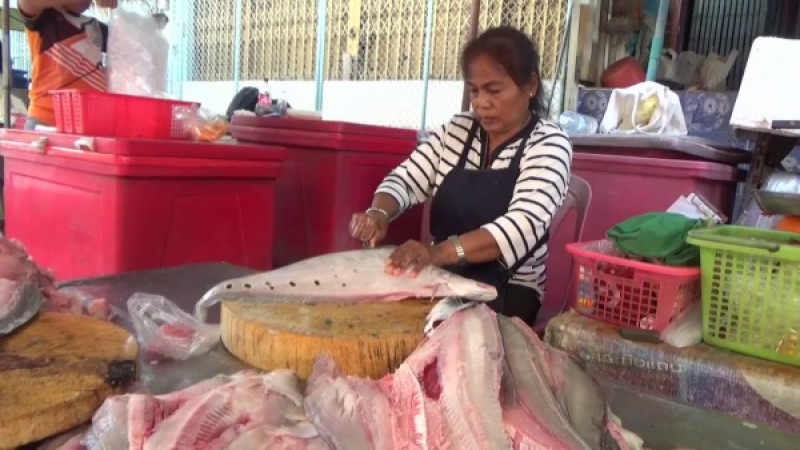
(381, 211)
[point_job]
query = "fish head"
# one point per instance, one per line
(471, 289)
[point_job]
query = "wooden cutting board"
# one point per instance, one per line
(367, 340)
(56, 371)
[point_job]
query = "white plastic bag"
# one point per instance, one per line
(687, 329)
(137, 52)
(164, 331)
(648, 108)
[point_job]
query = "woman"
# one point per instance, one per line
(496, 175)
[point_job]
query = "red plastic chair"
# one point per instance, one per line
(578, 198)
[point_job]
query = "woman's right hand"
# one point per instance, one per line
(369, 228)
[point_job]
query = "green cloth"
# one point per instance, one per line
(658, 237)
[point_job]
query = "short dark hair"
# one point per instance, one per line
(514, 51)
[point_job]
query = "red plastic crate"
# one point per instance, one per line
(104, 114)
(628, 293)
(87, 214)
(332, 171)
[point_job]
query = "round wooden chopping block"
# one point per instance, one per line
(366, 340)
(56, 371)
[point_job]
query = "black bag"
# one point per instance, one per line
(246, 98)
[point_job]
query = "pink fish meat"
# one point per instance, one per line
(25, 288)
(344, 409)
(125, 421)
(530, 408)
(217, 418)
(346, 277)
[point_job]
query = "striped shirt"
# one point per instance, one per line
(538, 193)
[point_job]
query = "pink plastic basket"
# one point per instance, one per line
(628, 293)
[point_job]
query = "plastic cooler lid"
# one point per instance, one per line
(656, 167)
(325, 126)
(143, 166)
(324, 140)
(172, 148)
(687, 145)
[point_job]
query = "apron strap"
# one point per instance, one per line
(462, 160)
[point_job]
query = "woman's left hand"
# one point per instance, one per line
(411, 257)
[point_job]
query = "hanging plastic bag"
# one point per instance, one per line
(164, 331)
(137, 52)
(687, 329)
(647, 108)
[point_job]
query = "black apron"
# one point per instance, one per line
(468, 199)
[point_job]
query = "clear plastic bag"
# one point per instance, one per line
(200, 124)
(687, 329)
(164, 331)
(137, 52)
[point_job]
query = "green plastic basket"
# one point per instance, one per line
(751, 291)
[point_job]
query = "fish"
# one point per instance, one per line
(20, 301)
(444, 309)
(219, 417)
(340, 412)
(459, 368)
(532, 409)
(344, 277)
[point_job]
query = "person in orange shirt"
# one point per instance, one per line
(66, 50)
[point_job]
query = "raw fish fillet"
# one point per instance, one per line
(219, 417)
(125, 421)
(34, 290)
(530, 408)
(338, 410)
(443, 396)
(346, 277)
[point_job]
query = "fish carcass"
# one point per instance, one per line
(478, 381)
(247, 410)
(25, 288)
(345, 277)
(20, 281)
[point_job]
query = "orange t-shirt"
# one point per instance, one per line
(67, 53)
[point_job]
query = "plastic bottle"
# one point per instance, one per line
(574, 123)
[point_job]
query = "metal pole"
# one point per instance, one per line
(561, 59)
(319, 72)
(657, 43)
(237, 44)
(6, 65)
(474, 22)
(426, 65)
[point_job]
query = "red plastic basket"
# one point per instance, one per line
(116, 115)
(628, 293)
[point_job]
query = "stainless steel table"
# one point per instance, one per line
(663, 424)
(184, 286)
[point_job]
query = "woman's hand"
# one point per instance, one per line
(369, 228)
(412, 257)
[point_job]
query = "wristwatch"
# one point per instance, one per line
(462, 255)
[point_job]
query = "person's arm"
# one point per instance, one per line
(32, 8)
(411, 183)
(539, 192)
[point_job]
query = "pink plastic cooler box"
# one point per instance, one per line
(139, 204)
(332, 171)
(626, 186)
